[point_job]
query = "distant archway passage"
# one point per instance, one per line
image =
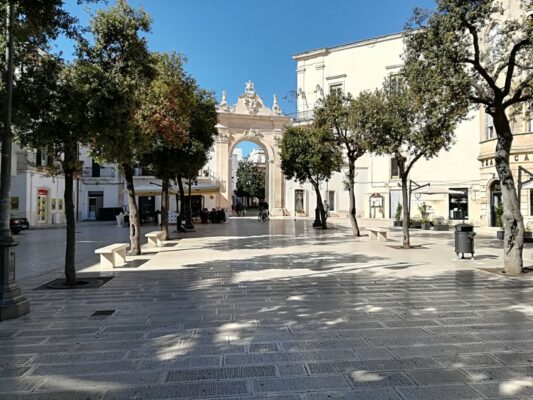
(255, 154)
(250, 120)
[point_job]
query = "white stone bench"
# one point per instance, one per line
(113, 255)
(155, 238)
(378, 234)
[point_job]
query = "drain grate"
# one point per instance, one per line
(100, 313)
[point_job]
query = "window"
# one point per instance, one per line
(458, 203)
(395, 82)
(394, 169)
(95, 170)
(335, 89)
(490, 133)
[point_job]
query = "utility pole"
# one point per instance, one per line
(12, 303)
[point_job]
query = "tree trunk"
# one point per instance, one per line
(135, 222)
(406, 212)
(165, 207)
(351, 190)
(319, 207)
(513, 222)
(182, 200)
(70, 251)
(189, 211)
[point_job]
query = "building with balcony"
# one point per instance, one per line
(463, 182)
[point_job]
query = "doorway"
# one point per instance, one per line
(96, 202)
(495, 201)
(42, 206)
(147, 208)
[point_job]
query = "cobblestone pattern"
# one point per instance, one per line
(196, 333)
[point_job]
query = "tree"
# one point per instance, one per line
(194, 154)
(310, 154)
(250, 180)
(490, 59)
(59, 127)
(165, 117)
(124, 68)
(340, 114)
(27, 27)
(409, 125)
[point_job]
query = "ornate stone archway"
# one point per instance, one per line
(250, 120)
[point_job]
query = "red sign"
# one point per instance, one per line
(42, 192)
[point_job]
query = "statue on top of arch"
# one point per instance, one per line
(249, 103)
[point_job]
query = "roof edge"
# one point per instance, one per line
(363, 42)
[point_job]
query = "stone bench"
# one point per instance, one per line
(113, 255)
(378, 234)
(155, 238)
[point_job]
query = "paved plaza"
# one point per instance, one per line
(250, 310)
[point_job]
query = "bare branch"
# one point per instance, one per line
(413, 161)
(517, 97)
(480, 100)
(477, 56)
(512, 64)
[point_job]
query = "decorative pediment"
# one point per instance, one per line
(249, 103)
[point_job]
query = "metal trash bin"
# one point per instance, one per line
(464, 240)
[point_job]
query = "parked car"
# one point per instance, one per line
(18, 224)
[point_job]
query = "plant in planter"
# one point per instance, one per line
(499, 221)
(300, 212)
(398, 217)
(440, 224)
(415, 223)
(424, 216)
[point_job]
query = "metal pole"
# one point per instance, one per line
(12, 303)
(519, 185)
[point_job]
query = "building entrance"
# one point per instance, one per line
(495, 201)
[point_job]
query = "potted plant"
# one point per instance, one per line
(424, 216)
(415, 223)
(499, 221)
(398, 217)
(440, 224)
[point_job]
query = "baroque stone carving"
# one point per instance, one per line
(222, 138)
(251, 99)
(253, 133)
(276, 109)
(224, 103)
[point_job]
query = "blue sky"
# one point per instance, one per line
(230, 42)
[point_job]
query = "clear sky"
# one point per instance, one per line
(228, 42)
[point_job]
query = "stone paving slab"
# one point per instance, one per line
(297, 314)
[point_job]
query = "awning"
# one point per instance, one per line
(152, 189)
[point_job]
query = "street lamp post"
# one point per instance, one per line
(12, 303)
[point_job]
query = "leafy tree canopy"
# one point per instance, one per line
(250, 180)
(309, 154)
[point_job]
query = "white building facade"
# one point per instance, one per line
(463, 183)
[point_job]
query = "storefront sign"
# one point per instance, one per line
(42, 192)
(514, 158)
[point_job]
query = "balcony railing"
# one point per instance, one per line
(303, 116)
(101, 172)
